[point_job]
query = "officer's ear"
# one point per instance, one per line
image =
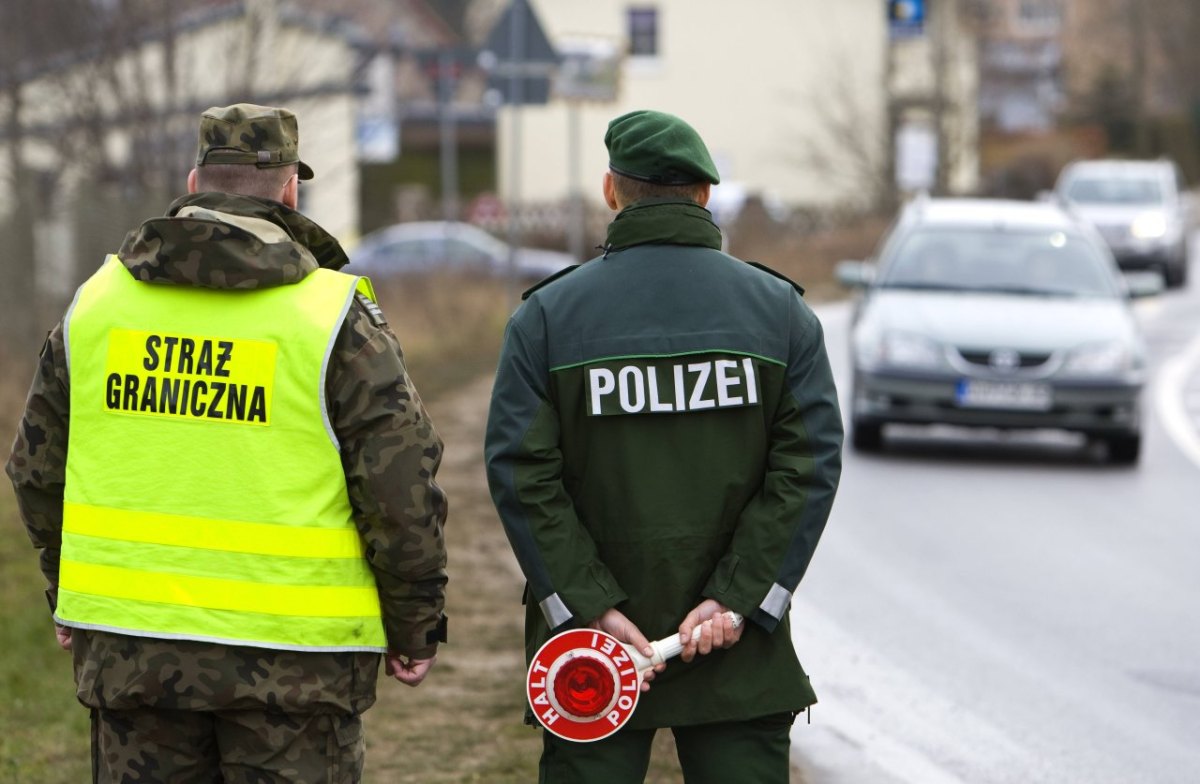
(291, 192)
(610, 192)
(703, 194)
(191, 182)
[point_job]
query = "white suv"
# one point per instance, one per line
(1141, 208)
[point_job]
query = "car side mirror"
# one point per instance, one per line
(1144, 283)
(855, 274)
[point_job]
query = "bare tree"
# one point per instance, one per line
(1147, 51)
(25, 47)
(848, 144)
(115, 93)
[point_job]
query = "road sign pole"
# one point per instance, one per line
(575, 219)
(516, 33)
(449, 142)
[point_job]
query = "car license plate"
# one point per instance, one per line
(1015, 395)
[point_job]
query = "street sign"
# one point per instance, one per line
(519, 57)
(591, 69)
(583, 685)
(916, 156)
(906, 18)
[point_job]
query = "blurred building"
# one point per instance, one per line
(790, 78)
(932, 96)
(425, 135)
(792, 96)
(101, 136)
(1021, 65)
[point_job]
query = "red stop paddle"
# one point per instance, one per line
(583, 684)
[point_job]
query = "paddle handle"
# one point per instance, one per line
(670, 647)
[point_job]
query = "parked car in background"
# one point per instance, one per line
(1141, 208)
(448, 246)
(1000, 314)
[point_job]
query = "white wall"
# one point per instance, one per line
(754, 78)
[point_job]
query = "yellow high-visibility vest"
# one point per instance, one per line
(205, 495)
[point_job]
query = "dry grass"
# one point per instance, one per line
(449, 327)
(808, 257)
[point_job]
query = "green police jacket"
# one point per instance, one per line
(664, 427)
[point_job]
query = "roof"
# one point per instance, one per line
(184, 20)
(1115, 169)
(990, 212)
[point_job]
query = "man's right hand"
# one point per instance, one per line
(716, 630)
(614, 622)
(62, 634)
(408, 671)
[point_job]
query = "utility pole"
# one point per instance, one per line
(1137, 76)
(577, 215)
(447, 65)
(939, 32)
(516, 41)
(889, 193)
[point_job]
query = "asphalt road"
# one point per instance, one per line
(989, 608)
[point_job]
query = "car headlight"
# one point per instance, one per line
(901, 350)
(1100, 359)
(1149, 226)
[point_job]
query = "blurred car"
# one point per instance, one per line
(998, 314)
(448, 246)
(1141, 208)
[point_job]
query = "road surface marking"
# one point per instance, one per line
(1171, 403)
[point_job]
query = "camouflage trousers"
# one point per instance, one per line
(153, 746)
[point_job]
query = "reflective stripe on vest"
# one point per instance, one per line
(205, 495)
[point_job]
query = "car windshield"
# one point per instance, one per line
(1034, 263)
(484, 243)
(1114, 190)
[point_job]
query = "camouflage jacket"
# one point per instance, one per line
(390, 452)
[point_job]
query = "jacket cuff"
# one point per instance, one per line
(420, 645)
(767, 612)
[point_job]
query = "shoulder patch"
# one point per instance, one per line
(779, 275)
(549, 279)
(373, 311)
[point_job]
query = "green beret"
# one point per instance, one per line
(659, 148)
(245, 133)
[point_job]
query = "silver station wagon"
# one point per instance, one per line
(997, 314)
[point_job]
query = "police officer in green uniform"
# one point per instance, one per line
(242, 519)
(664, 444)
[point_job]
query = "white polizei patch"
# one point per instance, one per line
(643, 388)
(1176, 411)
(656, 405)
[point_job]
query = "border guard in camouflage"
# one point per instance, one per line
(664, 443)
(243, 518)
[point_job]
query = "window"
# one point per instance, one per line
(643, 31)
(1040, 13)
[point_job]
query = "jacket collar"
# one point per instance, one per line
(227, 241)
(662, 222)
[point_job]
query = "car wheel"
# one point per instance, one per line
(1175, 275)
(866, 436)
(1124, 450)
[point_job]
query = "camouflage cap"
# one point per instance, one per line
(265, 136)
(660, 148)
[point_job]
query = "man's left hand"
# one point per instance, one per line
(63, 635)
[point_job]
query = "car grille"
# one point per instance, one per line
(983, 358)
(1118, 233)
